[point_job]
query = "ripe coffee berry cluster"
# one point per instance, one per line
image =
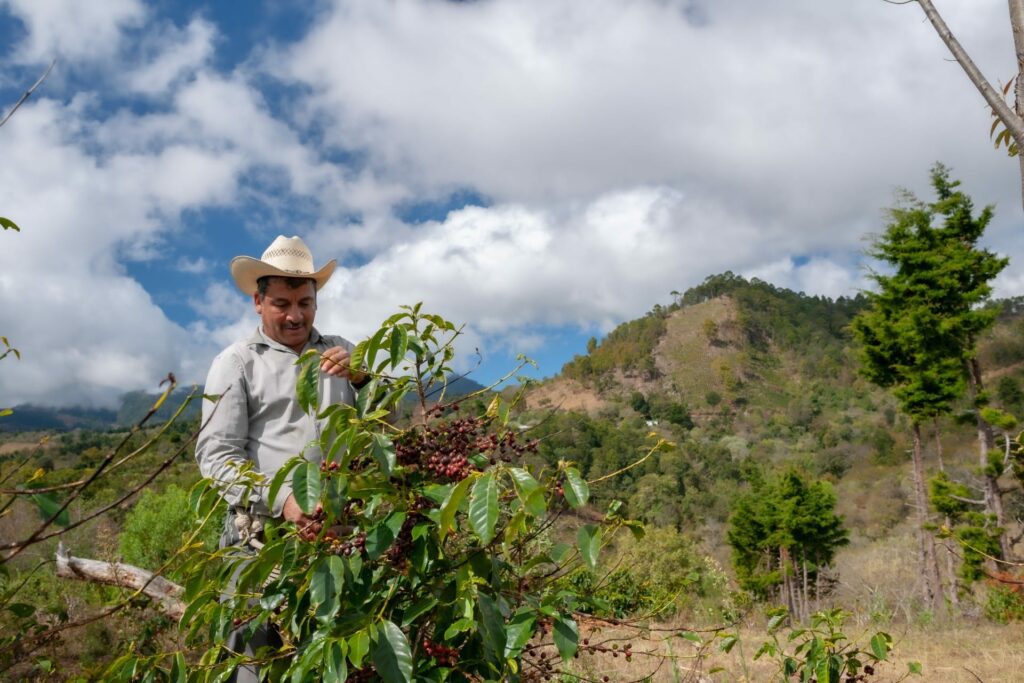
(444, 448)
(445, 656)
(402, 546)
(354, 545)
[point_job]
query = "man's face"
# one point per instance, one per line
(287, 313)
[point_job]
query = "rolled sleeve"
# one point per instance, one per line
(221, 446)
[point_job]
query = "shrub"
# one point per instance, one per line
(156, 526)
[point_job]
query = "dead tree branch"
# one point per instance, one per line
(165, 594)
(28, 93)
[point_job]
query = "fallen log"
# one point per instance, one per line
(165, 594)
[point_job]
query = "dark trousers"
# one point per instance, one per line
(238, 640)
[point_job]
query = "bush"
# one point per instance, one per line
(1004, 604)
(155, 528)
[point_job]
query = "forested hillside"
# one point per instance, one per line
(743, 375)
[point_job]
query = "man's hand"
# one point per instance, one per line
(309, 527)
(335, 361)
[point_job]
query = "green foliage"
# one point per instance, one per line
(976, 532)
(770, 314)
(1004, 603)
(428, 563)
(781, 526)
(630, 346)
(156, 526)
(822, 652)
(922, 324)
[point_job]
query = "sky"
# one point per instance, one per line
(537, 170)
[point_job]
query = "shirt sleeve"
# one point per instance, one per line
(221, 446)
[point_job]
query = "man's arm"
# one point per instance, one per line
(220, 448)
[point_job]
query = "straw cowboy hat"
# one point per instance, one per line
(285, 257)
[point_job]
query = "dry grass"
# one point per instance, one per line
(564, 394)
(957, 653)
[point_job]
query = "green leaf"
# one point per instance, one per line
(418, 608)
(692, 637)
(48, 507)
(518, 633)
(384, 453)
(5, 412)
(306, 486)
(358, 646)
(383, 534)
(777, 620)
(451, 504)
(392, 655)
(278, 481)
(306, 385)
(335, 667)
(728, 643)
(483, 507)
(179, 672)
(914, 668)
(324, 586)
(8, 224)
(458, 627)
(399, 345)
(530, 492)
(589, 539)
(21, 609)
(880, 645)
(492, 626)
(567, 636)
(576, 490)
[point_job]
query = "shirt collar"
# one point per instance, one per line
(259, 338)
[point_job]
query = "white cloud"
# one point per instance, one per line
(788, 111)
(629, 149)
(196, 266)
(71, 30)
(178, 54)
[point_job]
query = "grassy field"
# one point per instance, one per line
(958, 652)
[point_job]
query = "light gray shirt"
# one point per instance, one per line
(258, 419)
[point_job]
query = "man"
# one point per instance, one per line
(258, 419)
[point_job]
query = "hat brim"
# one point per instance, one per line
(246, 270)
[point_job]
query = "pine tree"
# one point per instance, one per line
(784, 533)
(918, 335)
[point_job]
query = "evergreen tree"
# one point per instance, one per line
(784, 533)
(918, 335)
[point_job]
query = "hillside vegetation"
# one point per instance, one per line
(750, 382)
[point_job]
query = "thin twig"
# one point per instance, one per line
(28, 93)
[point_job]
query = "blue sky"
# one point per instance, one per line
(540, 171)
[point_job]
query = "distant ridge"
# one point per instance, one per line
(134, 405)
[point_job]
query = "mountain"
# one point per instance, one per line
(133, 407)
(746, 377)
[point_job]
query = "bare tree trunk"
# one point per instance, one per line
(817, 589)
(986, 442)
(926, 556)
(807, 607)
(954, 589)
(165, 594)
(938, 444)
(1010, 118)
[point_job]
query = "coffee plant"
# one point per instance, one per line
(431, 557)
(821, 652)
